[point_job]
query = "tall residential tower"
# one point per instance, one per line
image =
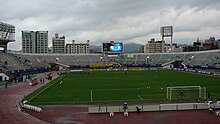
(35, 41)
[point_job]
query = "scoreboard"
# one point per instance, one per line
(112, 47)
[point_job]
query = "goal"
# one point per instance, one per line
(186, 92)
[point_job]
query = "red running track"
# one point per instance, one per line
(9, 113)
(78, 114)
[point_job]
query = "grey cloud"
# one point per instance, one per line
(120, 20)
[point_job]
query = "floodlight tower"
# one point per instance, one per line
(7, 34)
(167, 31)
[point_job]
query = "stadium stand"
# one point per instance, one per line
(202, 58)
(10, 62)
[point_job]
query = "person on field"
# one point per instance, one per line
(138, 109)
(125, 107)
(181, 93)
(209, 95)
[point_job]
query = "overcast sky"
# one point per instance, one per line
(127, 21)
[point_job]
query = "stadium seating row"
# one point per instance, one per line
(188, 58)
(9, 62)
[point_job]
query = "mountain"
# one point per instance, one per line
(94, 48)
(132, 48)
(128, 48)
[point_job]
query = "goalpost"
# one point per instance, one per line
(190, 92)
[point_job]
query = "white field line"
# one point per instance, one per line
(140, 97)
(215, 94)
(153, 94)
(91, 95)
(43, 90)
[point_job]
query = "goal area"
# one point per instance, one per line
(186, 93)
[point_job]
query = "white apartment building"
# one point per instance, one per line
(77, 48)
(156, 47)
(58, 44)
(35, 41)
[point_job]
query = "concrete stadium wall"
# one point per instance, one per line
(158, 107)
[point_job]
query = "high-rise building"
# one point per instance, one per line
(156, 47)
(80, 48)
(58, 44)
(35, 41)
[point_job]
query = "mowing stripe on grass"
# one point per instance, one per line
(110, 100)
(125, 100)
(91, 95)
(140, 97)
(122, 89)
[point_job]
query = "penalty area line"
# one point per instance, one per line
(140, 97)
(215, 94)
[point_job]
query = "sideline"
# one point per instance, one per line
(140, 97)
(46, 88)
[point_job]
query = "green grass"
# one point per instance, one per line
(116, 86)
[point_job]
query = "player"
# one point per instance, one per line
(209, 95)
(181, 93)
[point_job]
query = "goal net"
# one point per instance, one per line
(186, 93)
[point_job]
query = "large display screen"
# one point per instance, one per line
(112, 47)
(106, 47)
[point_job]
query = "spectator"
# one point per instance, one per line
(6, 85)
(41, 81)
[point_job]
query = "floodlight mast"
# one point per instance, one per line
(167, 31)
(7, 34)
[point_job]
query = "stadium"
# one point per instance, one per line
(110, 86)
(88, 88)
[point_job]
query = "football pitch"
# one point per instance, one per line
(123, 86)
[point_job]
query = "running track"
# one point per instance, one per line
(9, 113)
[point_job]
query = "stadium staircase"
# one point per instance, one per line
(184, 66)
(62, 64)
(165, 64)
